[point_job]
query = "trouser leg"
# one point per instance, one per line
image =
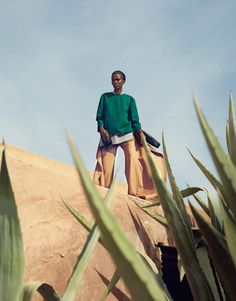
(133, 169)
(138, 172)
(104, 170)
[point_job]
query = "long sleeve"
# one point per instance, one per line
(100, 113)
(133, 116)
(118, 114)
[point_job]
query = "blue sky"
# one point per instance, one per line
(56, 58)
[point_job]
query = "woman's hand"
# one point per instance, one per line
(138, 137)
(104, 133)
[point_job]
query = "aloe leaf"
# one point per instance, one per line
(215, 215)
(88, 226)
(81, 264)
(155, 204)
(202, 203)
(180, 268)
(180, 234)
(189, 191)
(82, 220)
(227, 136)
(211, 178)
(143, 285)
(157, 217)
(224, 166)
(185, 193)
(231, 132)
(84, 258)
(143, 203)
(219, 255)
(28, 290)
(11, 244)
(230, 231)
(151, 265)
(115, 278)
(47, 291)
(176, 194)
(205, 264)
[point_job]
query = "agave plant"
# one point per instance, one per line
(193, 254)
(219, 234)
(209, 278)
(12, 256)
(133, 268)
(11, 248)
(179, 225)
(146, 282)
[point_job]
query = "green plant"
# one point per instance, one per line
(12, 256)
(139, 279)
(180, 227)
(219, 235)
(11, 247)
(131, 265)
(136, 269)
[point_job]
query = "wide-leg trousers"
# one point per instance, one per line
(137, 170)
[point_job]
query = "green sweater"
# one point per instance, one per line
(118, 114)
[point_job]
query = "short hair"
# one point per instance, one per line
(119, 72)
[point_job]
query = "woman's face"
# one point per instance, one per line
(117, 81)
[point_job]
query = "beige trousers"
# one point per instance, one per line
(137, 170)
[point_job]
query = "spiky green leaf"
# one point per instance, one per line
(79, 217)
(180, 268)
(83, 260)
(29, 290)
(115, 278)
(231, 132)
(155, 204)
(223, 164)
(130, 266)
(230, 231)
(202, 203)
(11, 244)
(205, 264)
(176, 193)
(88, 226)
(157, 217)
(189, 191)
(46, 290)
(211, 178)
(181, 237)
(216, 218)
(74, 281)
(219, 254)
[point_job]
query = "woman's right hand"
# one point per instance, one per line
(104, 133)
(139, 137)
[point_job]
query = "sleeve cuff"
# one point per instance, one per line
(136, 127)
(100, 123)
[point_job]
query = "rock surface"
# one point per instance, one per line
(53, 238)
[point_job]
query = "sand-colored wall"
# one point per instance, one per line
(53, 238)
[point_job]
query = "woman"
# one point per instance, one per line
(118, 124)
